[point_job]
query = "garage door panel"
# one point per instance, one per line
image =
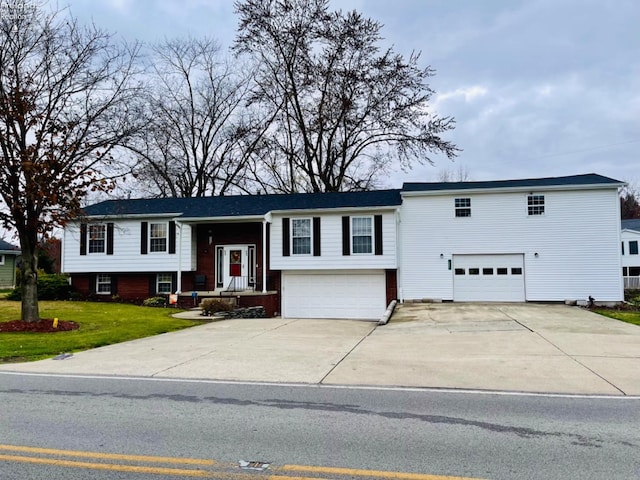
(489, 278)
(334, 295)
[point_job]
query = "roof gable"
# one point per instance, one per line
(573, 180)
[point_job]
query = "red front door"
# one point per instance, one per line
(235, 263)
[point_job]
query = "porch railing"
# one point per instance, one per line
(240, 284)
(631, 283)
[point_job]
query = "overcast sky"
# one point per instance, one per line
(538, 88)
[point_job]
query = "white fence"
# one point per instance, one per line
(631, 283)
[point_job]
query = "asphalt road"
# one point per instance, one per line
(79, 428)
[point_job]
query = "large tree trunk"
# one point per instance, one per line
(29, 284)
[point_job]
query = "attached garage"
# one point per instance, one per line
(488, 278)
(334, 294)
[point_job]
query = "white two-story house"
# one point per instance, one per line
(630, 240)
(347, 255)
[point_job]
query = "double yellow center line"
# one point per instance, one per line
(210, 468)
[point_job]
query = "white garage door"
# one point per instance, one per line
(333, 295)
(488, 278)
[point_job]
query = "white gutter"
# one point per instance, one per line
(179, 273)
(531, 188)
(132, 215)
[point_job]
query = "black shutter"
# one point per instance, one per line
(286, 250)
(316, 236)
(152, 285)
(109, 238)
(172, 237)
(114, 285)
(92, 283)
(377, 232)
(174, 282)
(83, 239)
(346, 236)
(144, 230)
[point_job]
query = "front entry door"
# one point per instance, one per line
(235, 267)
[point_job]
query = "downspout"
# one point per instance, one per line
(179, 273)
(399, 255)
(267, 219)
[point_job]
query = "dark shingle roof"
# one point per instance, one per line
(244, 205)
(586, 179)
(633, 224)
(5, 247)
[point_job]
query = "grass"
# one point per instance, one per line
(100, 324)
(628, 316)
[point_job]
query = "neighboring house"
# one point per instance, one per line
(347, 255)
(630, 240)
(8, 257)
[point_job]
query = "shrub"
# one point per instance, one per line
(155, 302)
(50, 287)
(213, 305)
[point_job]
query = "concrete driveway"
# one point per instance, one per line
(511, 347)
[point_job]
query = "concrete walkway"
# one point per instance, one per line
(508, 347)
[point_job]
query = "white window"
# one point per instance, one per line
(158, 237)
(301, 236)
(535, 204)
(103, 284)
(163, 283)
(361, 235)
(1, 259)
(463, 207)
(97, 238)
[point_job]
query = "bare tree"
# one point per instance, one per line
(629, 202)
(67, 98)
(343, 111)
(198, 133)
(460, 174)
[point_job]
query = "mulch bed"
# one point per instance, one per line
(45, 325)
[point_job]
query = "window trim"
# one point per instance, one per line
(164, 282)
(93, 226)
(536, 204)
(310, 236)
(462, 205)
(103, 279)
(151, 237)
(371, 234)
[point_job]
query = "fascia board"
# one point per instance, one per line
(298, 211)
(539, 188)
(129, 216)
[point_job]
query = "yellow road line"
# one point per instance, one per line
(275, 475)
(106, 466)
(368, 473)
(107, 456)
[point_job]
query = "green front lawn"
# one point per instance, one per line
(100, 324)
(628, 316)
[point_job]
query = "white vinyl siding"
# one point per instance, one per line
(126, 251)
(630, 239)
(334, 294)
(577, 242)
(331, 245)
